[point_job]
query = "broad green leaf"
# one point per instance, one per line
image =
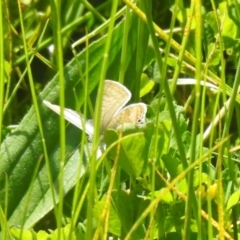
(228, 27)
(124, 210)
(114, 223)
(167, 198)
(68, 232)
(233, 200)
(160, 140)
(28, 195)
(132, 150)
(146, 85)
(26, 234)
(41, 201)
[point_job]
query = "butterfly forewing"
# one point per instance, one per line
(115, 96)
(134, 113)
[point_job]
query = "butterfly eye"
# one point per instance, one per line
(140, 121)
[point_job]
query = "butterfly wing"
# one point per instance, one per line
(73, 117)
(134, 113)
(115, 97)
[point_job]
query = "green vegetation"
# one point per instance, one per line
(175, 177)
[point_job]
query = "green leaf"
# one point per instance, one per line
(132, 150)
(25, 234)
(41, 201)
(146, 85)
(233, 13)
(23, 174)
(233, 200)
(66, 231)
(160, 140)
(228, 27)
(167, 198)
(124, 210)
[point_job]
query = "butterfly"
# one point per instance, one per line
(113, 112)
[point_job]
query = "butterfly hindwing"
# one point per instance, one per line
(134, 113)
